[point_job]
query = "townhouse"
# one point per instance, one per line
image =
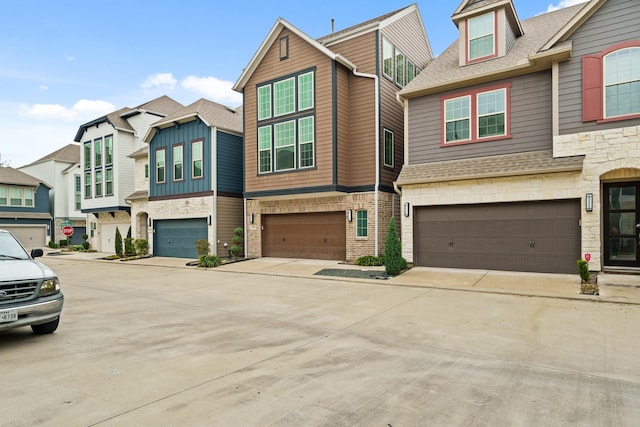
(61, 169)
(108, 172)
(523, 147)
(324, 135)
(189, 178)
(24, 207)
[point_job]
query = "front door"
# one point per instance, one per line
(621, 224)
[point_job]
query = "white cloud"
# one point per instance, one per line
(81, 110)
(70, 58)
(564, 3)
(214, 89)
(44, 88)
(160, 80)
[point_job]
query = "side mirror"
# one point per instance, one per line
(35, 253)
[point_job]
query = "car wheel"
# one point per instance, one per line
(45, 328)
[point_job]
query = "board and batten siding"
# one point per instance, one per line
(616, 21)
(530, 117)
(229, 163)
(167, 138)
(302, 56)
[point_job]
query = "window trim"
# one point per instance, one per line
(400, 80)
(312, 142)
(164, 166)
(108, 192)
(605, 85)
(270, 150)
(294, 126)
(299, 92)
(474, 117)
(270, 103)
(98, 184)
(393, 59)
(77, 186)
(366, 225)
(194, 143)
(107, 155)
(87, 146)
(275, 100)
(88, 185)
(174, 163)
(386, 132)
(97, 142)
(494, 54)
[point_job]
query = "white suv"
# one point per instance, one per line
(29, 290)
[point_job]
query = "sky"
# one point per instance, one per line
(66, 62)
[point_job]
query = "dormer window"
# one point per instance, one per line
(481, 37)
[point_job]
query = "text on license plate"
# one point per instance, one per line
(8, 315)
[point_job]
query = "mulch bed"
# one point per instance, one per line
(352, 273)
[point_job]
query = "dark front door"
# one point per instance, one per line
(621, 224)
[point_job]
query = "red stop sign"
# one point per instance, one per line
(67, 230)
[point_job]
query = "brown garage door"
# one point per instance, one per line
(529, 236)
(319, 235)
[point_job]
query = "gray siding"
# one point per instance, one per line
(616, 21)
(530, 123)
(510, 35)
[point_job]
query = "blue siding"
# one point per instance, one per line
(167, 138)
(40, 201)
(230, 165)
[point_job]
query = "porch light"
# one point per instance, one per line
(349, 215)
(589, 202)
(406, 209)
(251, 218)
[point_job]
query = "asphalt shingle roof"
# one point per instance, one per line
(70, 153)
(213, 113)
(9, 175)
(530, 163)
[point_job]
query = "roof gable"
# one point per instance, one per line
(70, 153)
(9, 175)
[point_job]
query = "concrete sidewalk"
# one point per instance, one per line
(616, 288)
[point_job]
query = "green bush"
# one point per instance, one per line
(142, 246)
(208, 261)
(128, 247)
(583, 270)
(53, 245)
(118, 242)
(85, 245)
(202, 247)
(85, 236)
(238, 242)
(393, 261)
(63, 242)
(370, 261)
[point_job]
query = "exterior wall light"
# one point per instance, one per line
(251, 218)
(406, 209)
(588, 202)
(349, 215)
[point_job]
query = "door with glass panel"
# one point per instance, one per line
(622, 224)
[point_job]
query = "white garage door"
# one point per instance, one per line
(107, 236)
(31, 236)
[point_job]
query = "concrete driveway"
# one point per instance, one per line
(145, 345)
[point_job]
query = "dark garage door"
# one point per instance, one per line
(320, 235)
(528, 236)
(177, 237)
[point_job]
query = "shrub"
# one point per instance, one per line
(583, 270)
(53, 245)
(208, 261)
(202, 247)
(85, 245)
(128, 247)
(118, 242)
(85, 236)
(370, 261)
(142, 246)
(393, 261)
(63, 242)
(238, 242)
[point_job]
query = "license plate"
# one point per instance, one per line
(8, 315)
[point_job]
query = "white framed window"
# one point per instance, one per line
(622, 83)
(178, 160)
(388, 148)
(97, 152)
(305, 91)
(481, 36)
(492, 113)
(108, 181)
(87, 185)
(264, 102)
(457, 119)
(284, 97)
(98, 186)
(400, 72)
(285, 145)
(161, 166)
(264, 149)
(306, 142)
(196, 159)
(387, 59)
(362, 225)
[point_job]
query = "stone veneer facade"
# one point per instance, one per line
(356, 246)
(610, 155)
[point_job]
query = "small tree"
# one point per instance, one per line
(118, 242)
(393, 261)
(85, 243)
(202, 247)
(128, 244)
(238, 242)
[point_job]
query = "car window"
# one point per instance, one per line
(10, 248)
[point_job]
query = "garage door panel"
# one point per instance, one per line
(177, 237)
(539, 236)
(318, 235)
(31, 236)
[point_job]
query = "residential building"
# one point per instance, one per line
(24, 207)
(108, 172)
(61, 169)
(193, 188)
(523, 146)
(324, 135)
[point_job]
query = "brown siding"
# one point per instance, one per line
(230, 215)
(361, 51)
(409, 35)
(614, 22)
(530, 123)
(301, 56)
(344, 127)
(362, 132)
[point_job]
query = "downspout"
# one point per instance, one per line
(377, 145)
(214, 182)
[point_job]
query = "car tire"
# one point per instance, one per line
(45, 328)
